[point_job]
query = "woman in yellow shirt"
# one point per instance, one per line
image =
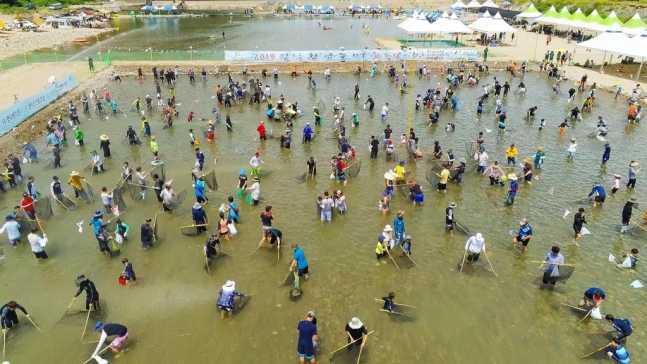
(154, 147)
(512, 153)
(75, 181)
(381, 249)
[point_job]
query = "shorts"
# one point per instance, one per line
(577, 229)
(383, 116)
(528, 177)
(41, 255)
(303, 271)
(420, 198)
(341, 176)
(221, 234)
(570, 154)
(14, 241)
(480, 169)
(307, 351)
(442, 186)
(380, 256)
(473, 257)
(225, 308)
(449, 227)
(523, 242)
(201, 199)
(546, 279)
(119, 341)
(10, 319)
(600, 198)
(326, 215)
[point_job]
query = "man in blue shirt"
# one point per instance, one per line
(307, 333)
(200, 157)
(593, 295)
(600, 194)
(617, 352)
(52, 140)
(622, 325)
(299, 260)
(551, 272)
(525, 233)
(307, 133)
(97, 222)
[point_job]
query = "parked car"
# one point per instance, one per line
(30, 7)
(55, 6)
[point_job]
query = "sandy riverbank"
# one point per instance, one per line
(16, 42)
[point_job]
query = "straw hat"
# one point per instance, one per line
(512, 177)
(355, 323)
(262, 122)
(523, 221)
(153, 137)
(495, 163)
(462, 160)
(452, 205)
(527, 160)
(197, 206)
(390, 175)
(572, 139)
(103, 137)
(74, 173)
(541, 149)
(210, 122)
(230, 286)
(633, 164)
(388, 228)
(616, 175)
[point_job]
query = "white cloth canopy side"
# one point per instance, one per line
(449, 25)
(613, 41)
(495, 25)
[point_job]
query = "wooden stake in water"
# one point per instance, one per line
(593, 352)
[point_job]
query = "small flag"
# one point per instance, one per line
(80, 225)
(488, 130)
(612, 258)
(115, 210)
(566, 214)
(636, 284)
(585, 231)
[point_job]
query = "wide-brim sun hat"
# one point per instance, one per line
(355, 323)
(197, 206)
(512, 177)
(523, 222)
(211, 122)
(453, 205)
(388, 228)
(103, 137)
(230, 286)
(390, 175)
(74, 173)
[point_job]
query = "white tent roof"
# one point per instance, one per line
(638, 45)
(450, 25)
(458, 5)
(490, 4)
(473, 5)
(612, 40)
(416, 26)
(482, 21)
(496, 25)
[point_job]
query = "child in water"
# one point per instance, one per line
(388, 302)
(145, 127)
(406, 245)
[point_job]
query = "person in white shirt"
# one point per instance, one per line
(474, 246)
(341, 202)
(106, 198)
(387, 233)
(482, 158)
(327, 73)
(572, 148)
(385, 111)
(167, 195)
(255, 162)
(97, 162)
(255, 190)
(38, 243)
(13, 230)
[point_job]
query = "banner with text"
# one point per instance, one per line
(23, 109)
(453, 54)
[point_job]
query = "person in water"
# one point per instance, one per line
(388, 302)
(616, 352)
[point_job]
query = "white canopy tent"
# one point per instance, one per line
(450, 25)
(458, 5)
(531, 12)
(638, 48)
(490, 4)
(416, 26)
(473, 5)
(495, 25)
(612, 41)
(481, 21)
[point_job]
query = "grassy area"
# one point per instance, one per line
(624, 8)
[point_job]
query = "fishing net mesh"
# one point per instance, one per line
(352, 170)
(469, 168)
(403, 189)
(159, 170)
(118, 195)
(26, 224)
(155, 226)
(470, 149)
(137, 191)
(563, 273)
(87, 194)
(210, 180)
(43, 207)
(205, 131)
(111, 225)
(177, 200)
(191, 230)
(431, 177)
(68, 203)
(49, 164)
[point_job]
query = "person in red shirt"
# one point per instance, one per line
(261, 131)
(27, 204)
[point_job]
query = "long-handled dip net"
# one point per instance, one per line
(192, 230)
(562, 273)
(87, 193)
(43, 207)
(210, 180)
(118, 195)
(352, 170)
(177, 200)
